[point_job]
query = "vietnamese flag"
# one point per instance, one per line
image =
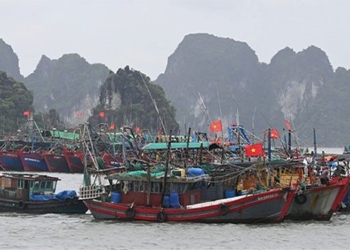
(101, 114)
(215, 126)
(112, 127)
(288, 125)
(274, 134)
(254, 150)
(79, 113)
(26, 113)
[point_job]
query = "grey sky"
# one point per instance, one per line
(142, 34)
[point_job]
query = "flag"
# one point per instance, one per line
(274, 134)
(254, 150)
(79, 113)
(215, 126)
(101, 114)
(112, 127)
(287, 125)
(26, 113)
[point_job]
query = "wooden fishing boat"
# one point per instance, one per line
(32, 161)
(9, 161)
(31, 193)
(74, 160)
(184, 196)
(313, 200)
(56, 162)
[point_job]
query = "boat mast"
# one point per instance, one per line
(166, 168)
(187, 145)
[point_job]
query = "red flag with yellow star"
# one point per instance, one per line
(254, 150)
(215, 126)
(274, 134)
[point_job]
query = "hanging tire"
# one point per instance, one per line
(224, 210)
(75, 200)
(68, 201)
(300, 199)
(21, 205)
(162, 216)
(130, 213)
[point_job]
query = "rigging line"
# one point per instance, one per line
(294, 132)
(282, 142)
(155, 104)
(219, 100)
(205, 107)
(253, 123)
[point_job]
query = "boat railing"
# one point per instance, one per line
(90, 192)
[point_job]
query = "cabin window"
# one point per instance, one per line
(155, 187)
(42, 184)
(48, 185)
(20, 184)
(54, 183)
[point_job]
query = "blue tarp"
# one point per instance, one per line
(42, 197)
(65, 194)
(59, 196)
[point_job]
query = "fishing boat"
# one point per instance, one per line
(56, 162)
(146, 198)
(74, 160)
(32, 193)
(313, 200)
(32, 161)
(9, 161)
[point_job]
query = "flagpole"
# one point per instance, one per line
(238, 134)
(223, 144)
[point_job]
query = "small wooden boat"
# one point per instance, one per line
(32, 193)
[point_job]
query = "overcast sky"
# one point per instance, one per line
(143, 34)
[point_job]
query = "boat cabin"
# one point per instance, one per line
(135, 187)
(23, 186)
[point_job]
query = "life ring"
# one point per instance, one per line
(162, 216)
(300, 199)
(21, 205)
(75, 200)
(224, 210)
(68, 201)
(130, 212)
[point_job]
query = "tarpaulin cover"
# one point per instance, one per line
(59, 196)
(42, 197)
(65, 194)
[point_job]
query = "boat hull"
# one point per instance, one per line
(33, 162)
(67, 206)
(318, 203)
(56, 163)
(10, 161)
(265, 207)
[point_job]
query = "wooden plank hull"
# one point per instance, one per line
(270, 206)
(318, 203)
(10, 161)
(68, 206)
